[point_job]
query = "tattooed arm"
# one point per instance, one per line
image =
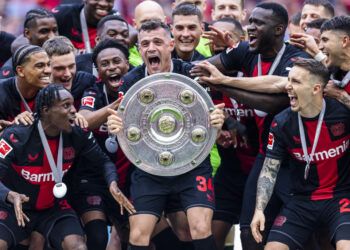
(266, 183)
(333, 91)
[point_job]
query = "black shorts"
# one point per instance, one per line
(281, 195)
(300, 217)
(149, 193)
(229, 183)
(42, 221)
(91, 196)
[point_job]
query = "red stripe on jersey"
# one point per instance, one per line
(42, 176)
(326, 155)
(265, 66)
(92, 36)
(122, 165)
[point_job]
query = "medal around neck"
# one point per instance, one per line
(111, 144)
(59, 190)
(166, 121)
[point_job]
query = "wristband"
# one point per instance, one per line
(320, 56)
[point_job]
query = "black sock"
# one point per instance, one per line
(132, 247)
(205, 244)
(186, 245)
(166, 240)
(96, 234)
(228, 248)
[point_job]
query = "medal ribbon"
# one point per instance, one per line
(342, 83)
(25, 104)
(56, 170)
(317, 135)
(85, 31)
(271, 71)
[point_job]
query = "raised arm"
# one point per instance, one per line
(269, 103)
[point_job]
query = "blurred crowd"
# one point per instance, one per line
(13, 11)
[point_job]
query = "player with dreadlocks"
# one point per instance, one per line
(39, 26)
(33, 183)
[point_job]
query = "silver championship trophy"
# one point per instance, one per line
(166, 124)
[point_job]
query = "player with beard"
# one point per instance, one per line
(155, 46)
(109, 27)
(237, 156)
(314, 135)
(28, 184)
(91, 199)
(39, 26)
(266, 29)
(75, 20)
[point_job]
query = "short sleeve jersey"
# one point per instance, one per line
(329, 173)
(238, 57)
(24, 167)
(81, 82)
(68, 21)
(10, 101)
(94, 99)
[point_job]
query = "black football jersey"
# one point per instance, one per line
(329, 169)
(24, 167)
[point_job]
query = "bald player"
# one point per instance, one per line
(148, 10)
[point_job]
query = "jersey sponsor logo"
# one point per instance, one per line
(234, 46)
(5, 73)
(239, 112)
(270, 141)
(338, 129)
(40, 177)
(68, 153)
(88, 101)
(94, 200)
(3, 215)
(325, 154)
(5, 148)
(33, 158)
(279, 221)
(12, 138)
(54, 10)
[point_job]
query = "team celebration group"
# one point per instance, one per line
(279, 167)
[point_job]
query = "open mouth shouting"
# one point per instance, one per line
(252, 40)
(114, 80)
(293, 100)
(154, 62)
